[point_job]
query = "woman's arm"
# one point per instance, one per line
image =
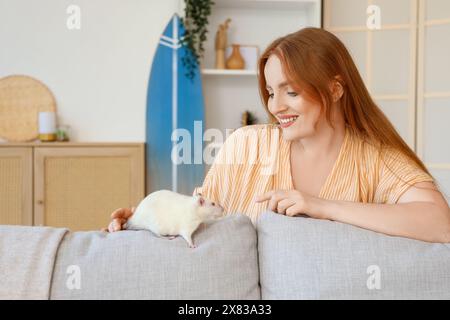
(421, 214)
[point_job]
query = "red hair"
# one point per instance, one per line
(312, 58)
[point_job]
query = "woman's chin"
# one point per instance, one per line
(290, 134)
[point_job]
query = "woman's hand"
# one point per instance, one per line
(290, 203)
(119, 218)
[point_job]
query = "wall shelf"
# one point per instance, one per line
(229, 93)
(265, 4)
(226, 72)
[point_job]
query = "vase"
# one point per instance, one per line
(220, 59)
(235, 60)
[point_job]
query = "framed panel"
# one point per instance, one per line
(346, 13)
(433, 105)
(395, 110)
(436, 130)
(437, 9)
(16, 177)
(78, 188)
(437, 58)
(443, 179)
(394, 12)
(356, 43)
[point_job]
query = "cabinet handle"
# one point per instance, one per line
(41, 202)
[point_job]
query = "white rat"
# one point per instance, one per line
(167, 213)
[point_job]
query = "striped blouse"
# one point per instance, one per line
(256, 159)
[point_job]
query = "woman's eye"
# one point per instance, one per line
(292, 94)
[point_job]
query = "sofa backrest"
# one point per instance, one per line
(305, 258)
(139, 265)
(299, 258)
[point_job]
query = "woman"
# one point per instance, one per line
(330, 153)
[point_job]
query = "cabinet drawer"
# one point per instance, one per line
(78, 188)
(16, 186)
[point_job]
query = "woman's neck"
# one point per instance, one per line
(325, 142)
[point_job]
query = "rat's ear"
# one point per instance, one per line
(200, 200)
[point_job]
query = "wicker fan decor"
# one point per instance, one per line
(21, 100)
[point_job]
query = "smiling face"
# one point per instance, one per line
(298, 114)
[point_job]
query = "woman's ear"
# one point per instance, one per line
(337, 88)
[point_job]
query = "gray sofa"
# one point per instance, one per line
(282, 258)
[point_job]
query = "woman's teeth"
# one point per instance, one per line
(288, 120)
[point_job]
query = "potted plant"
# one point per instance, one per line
(195, 21)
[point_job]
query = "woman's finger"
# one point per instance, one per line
(111, 227)
(284, 204)
(122, 223)
(122, 213)
(127, 213)
(273, 203)
(264, 197)
(294, 210)
(117, 226)
(117, 213)
(276, 197)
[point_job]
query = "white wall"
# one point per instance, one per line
(98, 74)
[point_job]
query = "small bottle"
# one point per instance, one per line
(62, 133)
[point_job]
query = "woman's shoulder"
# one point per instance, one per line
(378, 157)
(252, 143)
(364, 148)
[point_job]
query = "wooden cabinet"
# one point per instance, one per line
(69, 184)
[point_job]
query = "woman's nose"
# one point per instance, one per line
(278, 106)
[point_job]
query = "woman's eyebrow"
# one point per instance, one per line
(283, 84)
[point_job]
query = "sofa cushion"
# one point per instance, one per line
(140, 265)
(306, 258)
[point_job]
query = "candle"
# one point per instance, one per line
(47, 126)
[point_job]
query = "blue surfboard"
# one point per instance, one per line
(175, 114)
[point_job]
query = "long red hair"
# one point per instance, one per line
(311, 59)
